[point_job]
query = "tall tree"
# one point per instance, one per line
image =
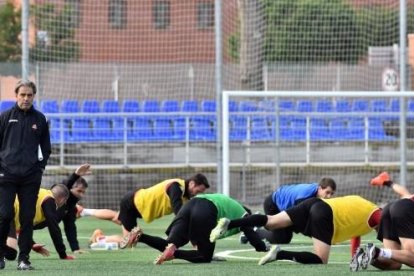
(10, 28)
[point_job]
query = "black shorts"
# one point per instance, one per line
(313, 218)
(397, 221)
(269, 207)
(194, 222)
(128, 212)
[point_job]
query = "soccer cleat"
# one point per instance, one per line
(132, 238)
(167, 255)
(243, 239)
(270, 256)
(381, 180)
(220, 229)
(24, 265)
(96, 235)
(356, 261)
(2, 263)
(371, 253)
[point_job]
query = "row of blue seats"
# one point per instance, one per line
(204, 128)
(285, 105)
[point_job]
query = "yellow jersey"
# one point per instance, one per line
(39, 215)
(350, 217)
(153, 202)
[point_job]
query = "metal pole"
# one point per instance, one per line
(219, 64)
(403, 82)
(25, 39)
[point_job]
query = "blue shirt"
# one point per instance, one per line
(289, 195)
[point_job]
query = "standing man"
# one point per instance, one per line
(24, 151)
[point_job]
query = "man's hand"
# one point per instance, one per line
(83, 169)
(40, 248)
(69, 258)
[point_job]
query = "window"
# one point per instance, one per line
(117, 14)
(205, 15)
(73, 12)
(161, 14)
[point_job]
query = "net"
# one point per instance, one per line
(129, 86)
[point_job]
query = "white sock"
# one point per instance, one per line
(87, 212)
(385, 253)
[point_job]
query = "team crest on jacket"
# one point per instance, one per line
(34, 126)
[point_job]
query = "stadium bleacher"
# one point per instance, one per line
(192, 120)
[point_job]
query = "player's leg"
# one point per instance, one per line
(105, 214)
(128, 215)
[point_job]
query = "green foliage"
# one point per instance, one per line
(10, 28)
(324, 30)
(311, 30)
(61, 45)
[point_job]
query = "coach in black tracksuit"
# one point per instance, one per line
(24, 150)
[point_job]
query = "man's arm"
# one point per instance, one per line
(175, 194)
(82, 170)
(49, 210)
(70, 228)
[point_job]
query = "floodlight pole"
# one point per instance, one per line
(25, 39)
(403, 83)
(219, 104)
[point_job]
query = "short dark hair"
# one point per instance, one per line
(81, 182)
(199, 179)
(327, 182)
(26, 83)
(60, 190)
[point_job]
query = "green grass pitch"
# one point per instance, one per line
(139, 260)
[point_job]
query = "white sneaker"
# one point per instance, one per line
(356, 262)
(270, 256)
(220, 229)
(371, 253)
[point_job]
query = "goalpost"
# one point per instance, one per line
(301, 136)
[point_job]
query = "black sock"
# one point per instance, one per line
(249, 221)
(155, 242)
(300, 257)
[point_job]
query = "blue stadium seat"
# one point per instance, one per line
(379, 105)
(395, 105)
(339, 129)
(49, 106)
(376, 130)
(130, 106)
(287, 106)
(324, 106)
(267, 105)
(304, 106)
(319, 129)
(170, 106)
(298, 128)
(69, 106)
(356, 129)
(233, 106)
(238, 128)
(90, 106)
(189, 106)
(141, 129)
(360, 105)
(6, 104)
(208, 106)
(181, 125)
(110, 106)
(260, 129)
(283, 127)
(343, 105)
(202, 128)
(151, 106)
(163, 129)
(248, 106)
(81, 130)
